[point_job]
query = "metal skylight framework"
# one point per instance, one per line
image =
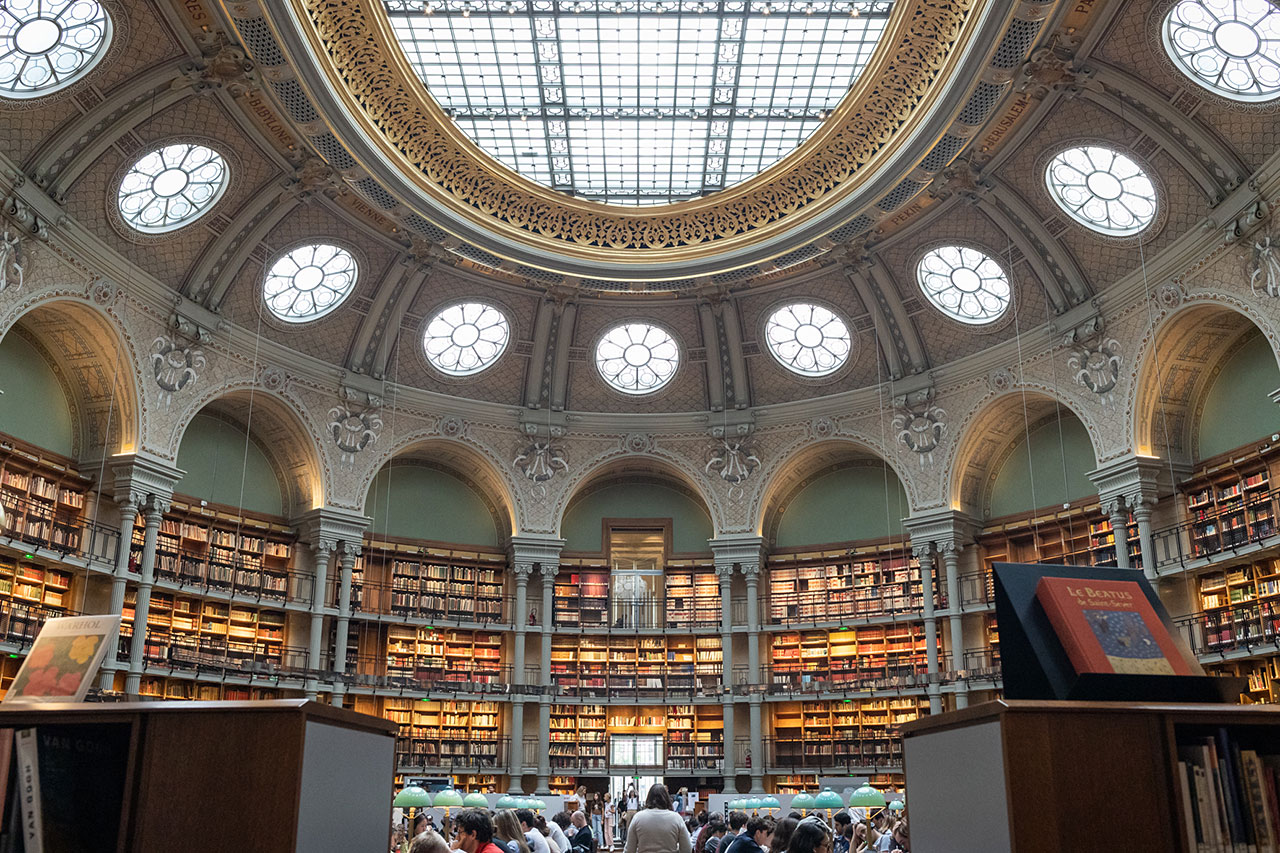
(632, 102)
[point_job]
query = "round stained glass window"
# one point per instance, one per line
(309, 282)
(964, 284)
(637, 358)
(171, 186)
(1231, 47)
(808, 339)
(48, 44)
(466, 338)
(1102, 189)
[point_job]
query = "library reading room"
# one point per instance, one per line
(649, 426)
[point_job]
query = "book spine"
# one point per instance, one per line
(1189, 817)
(29, 791)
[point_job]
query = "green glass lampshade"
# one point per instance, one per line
(770, 802)
(734, 805)
(449, 798)
(539, 804)
(506, 801)
(867, 797)
(896, 806)
(802, 801)
(754, 804)
(475, 800)
(828, 799)
(412, 797)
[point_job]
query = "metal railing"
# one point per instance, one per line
(35, 523)
(658, 613)
(19, 622)
(177, 652)
(833, 755)
(449, 608)
(804, 608)
(198, 572)
(467, 676)
(1241, 628)
(436, 753)
(594, 756)
(657, 681)
(1251, 521)
(800, 679)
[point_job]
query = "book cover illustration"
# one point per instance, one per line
(63, 660)
(1109, 627)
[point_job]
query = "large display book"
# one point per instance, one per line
(1073, 632)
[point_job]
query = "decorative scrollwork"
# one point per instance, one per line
(920, 425)
(1096, 366)
(354, 429)
(13, 261)
(175, 366)
(733, 461)
(540, 460)
(1264, 268)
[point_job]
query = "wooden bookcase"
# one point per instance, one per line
(582, 598)
(219, 548)
(1077, 536)
(833, 586)
(186, 631)
(429, 582)
(695, 738)
(795, 783)
(624, 666)
(848, 733)
(563, 785)
(579, 738)
(443, 657)
(445, 734)
(43, 494)
(809, 659)
(185, 689)
(692, 595)
(1229, 507)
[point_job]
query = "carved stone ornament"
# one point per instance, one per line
(1000, 380)
(822, 427)
(920, 425)
(175, 366)
(1096, 366)
(636, 442)
(1264, 268)
(540, 460)
(103, 293)
(733, 461)
(1170, 295)
(13, 261)
(272, 378)
(354, 430)
(452, 426)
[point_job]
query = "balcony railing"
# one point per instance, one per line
(651, 682)
(593, 756)
(806, 608)
(1250, 521)
(434, 753)
(19, 622)
(1241, 628)
(36, 524)
(176, 652)
(463, 676)
(798, 679)
(452, 608)
(626, 613)
(833, 756)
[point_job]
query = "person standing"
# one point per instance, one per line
(657, 829)
(595, 812)
(606, 840)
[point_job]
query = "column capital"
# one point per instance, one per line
(153, 510)
(332, 524)
(923, 551)
(323, 547)
(948, 530)
(350, 550)
(1133, 478)
(745, 550)
(543, 549)
(141, 476)
(724, 571)
(522, 570)
(1113, 506)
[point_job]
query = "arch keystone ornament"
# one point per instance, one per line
(733, 460)
(13, 261)
(1264, 268)
(539, 461)
(920, 423)
(1096, 366)
(175, 366)
(354, 429)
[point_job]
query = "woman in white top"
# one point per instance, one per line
(606, 841)
(657, 829)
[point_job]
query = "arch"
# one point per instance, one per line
(98, 368)
(811, 463)
(990, 433)
(652, 492)
(1183, 355)
(279, 427)
(457, 459)
(220, 466)
(633, 468)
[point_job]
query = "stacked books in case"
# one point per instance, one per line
(1229, 795)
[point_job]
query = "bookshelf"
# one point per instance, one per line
(582, 598)
(43, 494)
(808, 660)
(184, 689)
(1229, 508)
(443, 658)
(219, 548)
(836, 586)
(845, 734)
(795, 783)
(431, 583)
(692, 595)
(194, 632)
(1102, 543)
(1077, 536)
(695, 738)
(579, 737)
(623, 666)
(445, 734)
(563, 785)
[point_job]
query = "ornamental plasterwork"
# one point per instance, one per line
(923, 37)
(175, 366)
(354, 429)
(732, 461)
(919, 424)
(1096, 366)
(13, 260)
(539, 461)
(1264, 268)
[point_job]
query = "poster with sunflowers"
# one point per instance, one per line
(64, 659)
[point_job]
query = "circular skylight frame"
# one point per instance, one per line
(1103, 189)
(808, 339)
(469, 327)
(171, 186)
(339, 273)
(66, 49)
(637, 358)
(939, 277)
(1208, 42)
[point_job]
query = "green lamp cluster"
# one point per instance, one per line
(412, 796)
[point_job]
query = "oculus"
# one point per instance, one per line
(46, 45)
(171, 187)
(309, 282)
(964, 284)
(465, 338)
(1231, 47)
(1102, 189)
(808, 339)
(637, 358)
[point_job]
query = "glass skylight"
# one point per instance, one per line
(964, 284)
(171, 186)
(633, 102)
(48, 44)
(1229, 46)
(465, 338)
(808, 339)
(1102, 189)
(637, 358)
(309, 282)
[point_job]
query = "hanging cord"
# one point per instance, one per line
(102, 470)
(389, 391)
(1062, 451)
(1022, 385)
(244, 463)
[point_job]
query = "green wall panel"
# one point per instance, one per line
(691, 526)
(1012, 491)
(423, 503)
(213, 453)
(845, 506)
(33, 406)
(1237, 410)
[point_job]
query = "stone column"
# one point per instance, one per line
(323, 550)
(724, 572)
(1119, 515)
(119, 580)
(544, 746)
(951, 561)
(924, 553)
(152, 513)
(757, 746)
(751, 572)
(515, 766)
(549, 572)
(349, 551)
(1142, 507)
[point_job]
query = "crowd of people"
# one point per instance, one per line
(659, 827)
